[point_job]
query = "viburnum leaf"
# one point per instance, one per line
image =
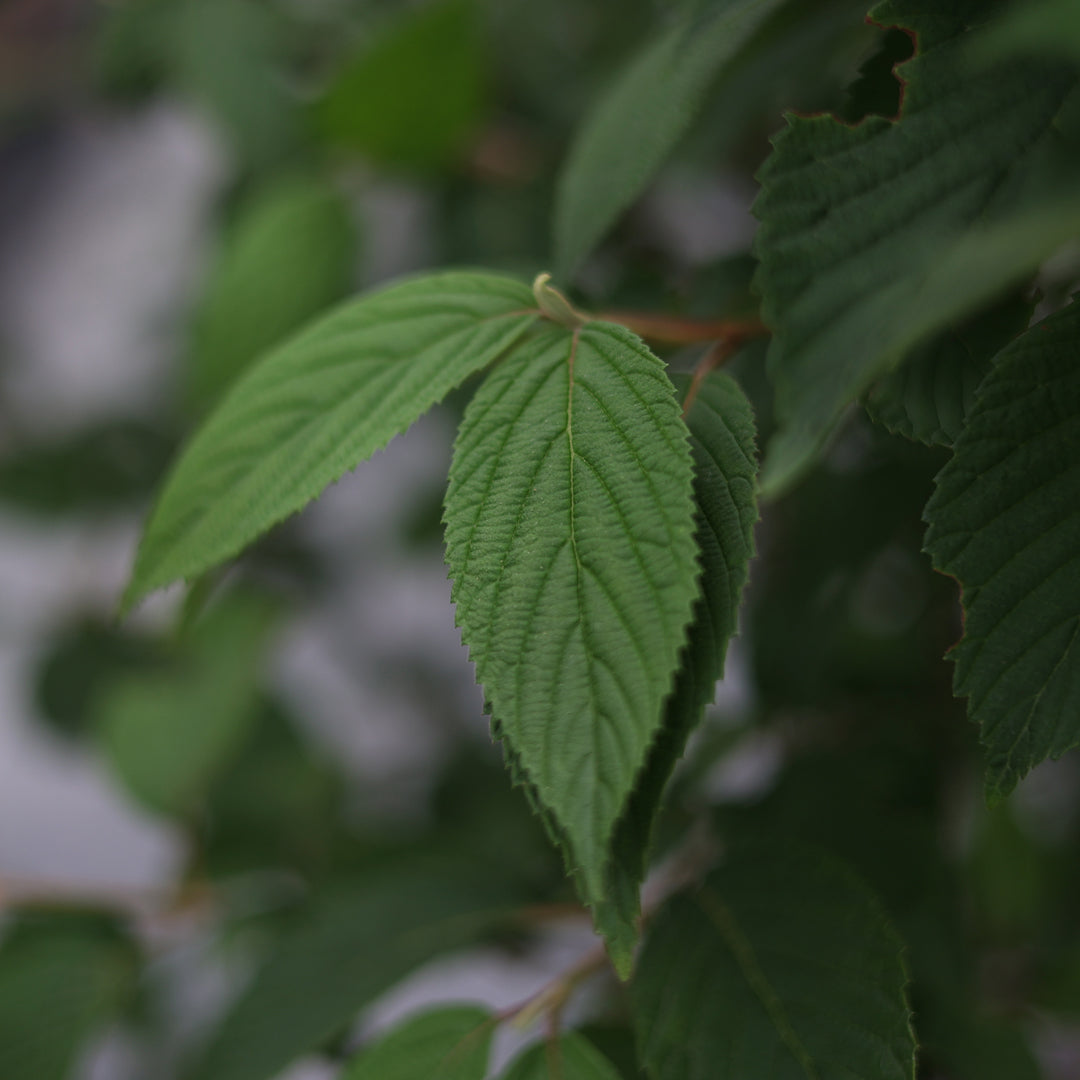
(572, 1057)
(725, 466)
(569, 535)
(317, 406)
(1004, 520)
(930, 394)
(780, 964)
(450, 1043)
(876, 236)
(639, 121)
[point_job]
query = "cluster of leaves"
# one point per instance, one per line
(599, 528)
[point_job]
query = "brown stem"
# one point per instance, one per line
(673, 330)
(719, 354)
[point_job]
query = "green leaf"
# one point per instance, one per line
(415, 94)
(781, 964)
(316, 407)
(876, 236)
(927, 398)
(569, 524)
(168, 734)
(451, 1043)
(634, 127)
(1034, 26)
(725, 465)
(354, 944)
(1003, 521)
(570, 1058)
(62, 977)
(286, 257)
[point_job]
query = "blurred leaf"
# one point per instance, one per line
(412, 97)
(573, 451)
(782, 963)
(168, 734)
(1050, 27)
(725, 468)
(929, 396)
(317, 406)
(62, 978)
(287, 255)
(450, 1043)
(1002, 521)
(874, 237)
(636, 124)
(103, 468)
(80, 663)
(617, 1044)
(355, 943)
(570, 1058)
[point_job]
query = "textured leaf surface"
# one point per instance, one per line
(1036, 26)
(353, 946)
(641, 118)
(569, 533)
(61, 978)
(168, 734)
(316, 407)
(413, 95)
(864, 243)
(571, 1058)
(781, 965)
(441, 1044)
(1004, 520)
(725, 465)
(287, 256)
(930, 394)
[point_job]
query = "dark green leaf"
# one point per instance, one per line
(638, 122)
(287, 256)
(873, 237)
(1034, 26)
(930, 394)
(61, 979)
(317, 406)
(1003, 521)
(569, 538)
(451, 1043)
(416, 93)
(570, 1058)
(353, 945)
(725, 466)
(781, 964)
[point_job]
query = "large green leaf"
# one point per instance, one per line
(930, 394)
(641, 118)
(570, 541)
(570, 1058)
(1035, 26)
(876, 236)
(1004, 521)
(168, 734)
(413, 95)
(354, 944)
(781, 964)
(286, 257)
(725, 466)
(317, 406)
(450, 1043)
(62, 977)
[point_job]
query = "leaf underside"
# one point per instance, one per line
(725, 465)
(781, 964)
(318, 406)
(638, 122)
(569, 534)
(1004, 520)
(876, 236)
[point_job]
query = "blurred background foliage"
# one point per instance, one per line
(315, 147)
